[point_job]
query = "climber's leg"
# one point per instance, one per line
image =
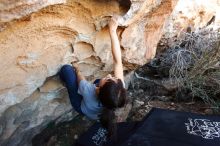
(69, 77)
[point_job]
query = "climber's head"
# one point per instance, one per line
(112, 95)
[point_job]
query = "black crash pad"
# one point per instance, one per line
(160, 128)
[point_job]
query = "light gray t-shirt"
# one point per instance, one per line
(90, 105)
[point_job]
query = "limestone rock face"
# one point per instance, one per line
(190, 15)
(195, 14)
(18, 8)
(38, 36)
(146, 32)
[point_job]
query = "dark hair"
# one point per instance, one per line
(112, 96)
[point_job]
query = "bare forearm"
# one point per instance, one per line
(78, 73)
(116, 50)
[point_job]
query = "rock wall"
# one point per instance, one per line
(38, 37)
(190, 15)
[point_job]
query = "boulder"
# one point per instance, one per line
(38, 37)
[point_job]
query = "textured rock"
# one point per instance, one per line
(34, 47)
(21, 122)
(190, 15)
(37, 37)
(194, 14)
(140, 38)
(15, 9)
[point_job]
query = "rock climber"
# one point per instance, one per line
(98, 101)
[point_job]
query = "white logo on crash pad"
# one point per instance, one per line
(100, 137)
(203, 127)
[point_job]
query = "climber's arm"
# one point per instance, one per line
(78, 73)
(116, 50)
